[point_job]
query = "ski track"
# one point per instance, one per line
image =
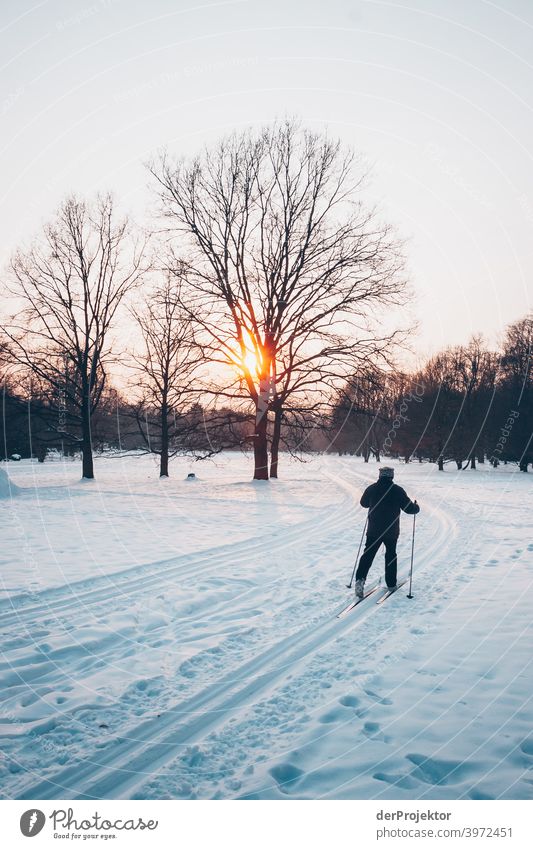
(41, 665)
(129, 761)
(33, 665)
(128, 584)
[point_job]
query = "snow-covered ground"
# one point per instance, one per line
(175, 639)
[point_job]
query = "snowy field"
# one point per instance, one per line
(176, 639)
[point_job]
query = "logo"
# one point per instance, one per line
(32, 822)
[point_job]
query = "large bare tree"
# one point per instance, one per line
(287, 269)
(69, 286)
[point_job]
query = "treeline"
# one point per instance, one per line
(34, 425)
(466, 405)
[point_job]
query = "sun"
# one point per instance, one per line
(251, 362)
(247, 359)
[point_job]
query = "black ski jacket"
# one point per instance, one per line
(385, 499)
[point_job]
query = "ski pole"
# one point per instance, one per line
(410, 594)
(349, 586)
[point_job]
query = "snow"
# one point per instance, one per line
(163, 640)
(7, 488)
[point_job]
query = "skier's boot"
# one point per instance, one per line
(392, 589)
(360, 588)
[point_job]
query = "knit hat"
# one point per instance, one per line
(386, 472)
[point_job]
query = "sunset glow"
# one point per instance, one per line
(251, 362)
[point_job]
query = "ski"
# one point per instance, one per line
(383, 598)
(353, 604)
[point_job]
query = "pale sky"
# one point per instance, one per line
(438, 94)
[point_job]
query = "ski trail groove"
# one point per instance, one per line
(158, 740)
(71, 665)
(123, 583)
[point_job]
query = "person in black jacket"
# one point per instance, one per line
(384, 500)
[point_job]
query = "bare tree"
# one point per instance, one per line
(433, 421)
(516, 393)
(474, 373)
(165, 369)
(286, 266)
(362, 409)
(70, 285)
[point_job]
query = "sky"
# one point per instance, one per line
(437, 94)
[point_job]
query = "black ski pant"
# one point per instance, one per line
(372, 546)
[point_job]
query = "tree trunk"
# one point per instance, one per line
(86, 441)
(441, 464)
(274, 448)
(163, 462)
(473, 461)
(261, 447)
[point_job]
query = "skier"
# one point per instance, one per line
(384, 500)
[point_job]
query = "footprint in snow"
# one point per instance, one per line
(403, 781)
(349, 701)
(335, 715)
(527, 746)
(30, 699)
(478, 795)
(440, 772)
(377, 698)
(14, 768)
(286, 775)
